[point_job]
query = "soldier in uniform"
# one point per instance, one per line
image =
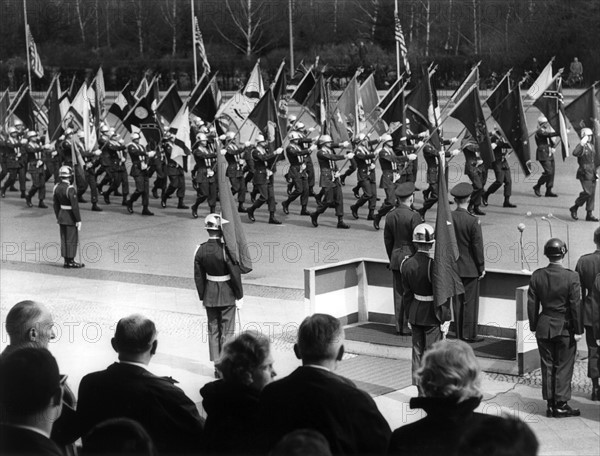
(206, 182)
(35, 167)
(427, 322)
(329, 180)
(297, 156)
(501, 169)
(22, 170)
(264, 164)
(310, 166)
(219, 286)
(553, 309)
(234, 155)
(158, 166)
(66, 209)
(476, 171)
(105, 157)
(14, 148)
(391, 166)
(397, 237)
(91, 160)
(588, 268)
(471, 264)
(413, 143)
(586, 173)
(117, 170)
(139, 171)
(53, 161)
(545, 155)
(365, 161)
(176, 175)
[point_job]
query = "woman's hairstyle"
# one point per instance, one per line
(242, 355)
(449, 369)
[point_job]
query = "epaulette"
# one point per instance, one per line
(170, 379)
(403, 260)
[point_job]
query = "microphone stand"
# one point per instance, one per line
(552, 216)
(537, 236)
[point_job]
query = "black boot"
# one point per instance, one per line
(124, 202)
(590, 217)
(314, 217)
(42, 205)
(95, 208)
(241, 208)
(564, 410)
(155, 193)
(341, 223)
(477, 211)
(507, 202)
(304, 211)
(250, 213)
(28, 201)
(181, 204)
(376, 221)
(146, 211)
(371, 215)
(106, 196)
(273, 220)
(23, 195)
(484, 199)
(212, 209)
(286, 207)
(354, 210)
(195, 210)
(129, 205)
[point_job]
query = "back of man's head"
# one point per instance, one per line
(135, 335)
(29, 383)
(320, 338)
(597, 237)
(29, 323)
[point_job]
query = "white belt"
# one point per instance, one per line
(223, 278)
(423, 298)
(66, 208)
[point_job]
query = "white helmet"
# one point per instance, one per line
(65, 171)
(230, 135)
(542, 120)
(12, 130)
(31, 134)
(324, 139)
(295, 135)
(18, 123)
(214, 222)
(299, 126)
(423, 234)
(586, 132)
(292, 118)
(135, 136)
(201, 137)
(386, 138)
(361, 137)
(260, 139)
(69, 131)
(104, 129)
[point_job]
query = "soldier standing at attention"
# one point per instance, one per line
(66, 208)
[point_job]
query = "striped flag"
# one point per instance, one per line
(34, 57)
(200, 47)
(400, 40)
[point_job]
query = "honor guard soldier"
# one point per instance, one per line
(139, 171)
(588, 268)
(105, 157)
(91, 161)
(205, 179)
(4, 150)
(53, 161)
(158, 165)
(545, 155)
(427, 322)
(70, 157)
(66, 209)
(471, 264)
(501, 169)
(331, 187)
(264, 166)
(310, 166)
(397, 237)
(176, 175)
(476, 171)
(22, 171)
(236, 163)
(554, 312)
(117, 170)
(297, 156)
(586, 173)
(219, 286)
(365, 162)
(14, 148)
(414, 143)
(35, 167)
(391, 166)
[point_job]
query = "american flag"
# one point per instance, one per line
(200, 47)
(34, 57)
(400, 40)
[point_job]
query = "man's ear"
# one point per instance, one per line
(340, 354)
(154, 347)
(57, 397)
(297, 351)
(114, 345)
(32, 334)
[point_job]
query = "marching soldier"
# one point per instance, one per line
(91, 160)
(545, 155)
(117, 169)
(586, 173)
(554, 312)
(296, 155)
(365, 162)
(391, 167)
(331, 187)
(263, 180)
(66, 208)
(234, 155)
(205, 180)
(14, 148)
(35, 167)
(476, 171)
(501, 169)
(471, 264)
(22, 170)
(139, 171)
(310, 166)
(70, 158)
(105, 157)
(53, 161)
(176, 175)
(158, 165)
(397, 237)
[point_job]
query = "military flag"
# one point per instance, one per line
(551, 103)
(169, 106)
(255, 87)
(400, 42)
(316, 103)
(394, 115)
(24, 109)
(422, 109)
(264, 116)
(469, 82)
(200, 47)
(304, 87)
(4, 105)
(583, 112)
(54, 112)
(279, 88)
(542, 82)
(206, 106)
(182, 145)
(34, 57)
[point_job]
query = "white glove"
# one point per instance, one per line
(494, 145)
(455, 152)
(584, 140)
(403, 138)
(577, 337)
(222, 137)
(336, 175)
(54, 154)
(311, 129)
(279, 151)
(152, 154)
(409, 326)
(454, 139)
(269, 173)
(420, 144)
(239, 303)
(24, 141)
(482, 275)
(423, 134)
(223, 152)
(247, 144)
(412, 157)
(479, 162)
(598, 342)
(122, 141)
(313, 148)
(78, 225)
(97, 152)
(345, 144)
(444, 327)
(350, 155)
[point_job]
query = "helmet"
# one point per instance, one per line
(12, 130)
(423, 234)
(18, 123)
(69, 131)
(135, 136)
(300, 126)
(230, 135)
(31, 134)
(586, 132)
(294, 136)
(324, 139)
(542, 120)
(361, 137)
(167, 135)
(65, 171)
(386, 138)
(201, 137)
(104, 129)
(260, 139)
(292, 118)
(597, 236)
(214, 222)
(555, 248)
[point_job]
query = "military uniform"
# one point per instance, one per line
(330, 184)
(140, 173)
(365, 161)
(545, 155)
(35, 167)
(176, 175)
(13, 151)
(117, 171)
(297, 157)
(205, 179)
(586, 173)
(219, 285)
(236, 163)
(263, 180)
(476, 171)
(432, 158)
(157, 165)
(501, 170)
(66, 209)
(391, 168)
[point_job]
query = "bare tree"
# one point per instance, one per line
(427, 7)
(107, 4)
(97, 20)
(475, 28)
(83, 18)
(169, 12)
(369, 15)
(138, 13)
(249, 21)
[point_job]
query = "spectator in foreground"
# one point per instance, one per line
(304, 442)
(118, 436)
(449, 381)
(231, 404)
(127, 389)
(30, 400)
(314, 397)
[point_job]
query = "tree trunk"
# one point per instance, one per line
(335, 14)
(506, 22)
(448, 36)
(412, 22)
(174, 50)
(457, 45)
(139, 27)
(80, 19)
(475, 29)
(107, 18)
(427, 27)
(376, 18)
(249, 30)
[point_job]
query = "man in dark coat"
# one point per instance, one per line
(588, 268)
(586, 173)
(219, 286)
(545, 155)
(297, 156)
(66, 208)
(263, 178)
(204, 180)
(476, 171)
(127, 389)
(397, 237)
(314, 397)
(553, 308)
(140, 173)
(501, 169)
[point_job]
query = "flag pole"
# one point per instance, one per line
(194, 43)
(27, 42)
(396, 13)
(291, 22)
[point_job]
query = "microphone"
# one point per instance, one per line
(545, 219)
(521, 228)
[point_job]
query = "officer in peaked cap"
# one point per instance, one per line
(405, 190)
(462, 190)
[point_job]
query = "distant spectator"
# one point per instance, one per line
(449, 381)
(231, 404)
(127, 389)
(314, 397)
(304, 442)
(118, 436)
(576, 68)
(30, 400)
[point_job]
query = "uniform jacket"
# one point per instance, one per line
(585, 159)
(19, 441)
(296, 156)
(169, 416)
(588, 268)
(545, 144)
(432, 156)
(206, 161)
(553, 302)
(263, 162)
(391, 164)
(398, 232)
(365, 163)
(35, 156)
(472, 156)
(235, 160)
(327, 163)
(471, 261)
(173, 168)
(139, 159)
(66, 195)
(500, 153)
(13, 150)
(211, 259)
(317, 399)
